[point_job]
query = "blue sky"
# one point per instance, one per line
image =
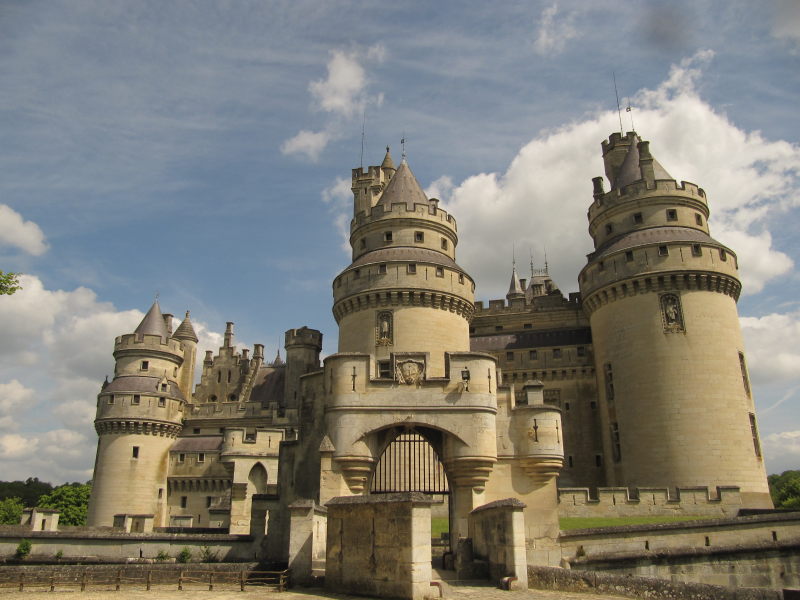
(202, 151)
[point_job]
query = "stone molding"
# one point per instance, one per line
(139, 427)
(665, 282)
(425, 298)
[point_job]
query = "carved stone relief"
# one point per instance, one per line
(671, 313)
(384, 328)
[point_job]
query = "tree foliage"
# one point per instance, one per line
(28, 491)
(71, 500)
(10, 511)
(785, 489)
(9, 283)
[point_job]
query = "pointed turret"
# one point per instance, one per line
(388, 163)
(278, 362)
(636, 165)
(185, 330)
(153, 323)
(403, 187)
(515, 288)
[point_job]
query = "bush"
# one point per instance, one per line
(185, 555)
(59, 555)
(23, 549)
(207, 555)
(162, 556)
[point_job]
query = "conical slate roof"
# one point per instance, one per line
(403, 187)
(514, 288)
(630, 171)
(185, 331)
(153, 323)
(387, 163)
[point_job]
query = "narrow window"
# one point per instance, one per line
(145, 365)
(527, 326)
(160, 493)
(163, 387)
(387, 236)
(460, 278)
(419, 236)
(135, 453)
(697, 250)
(208, 501)
(629, 256)
(615, 441)
(363, 243)
(593, 405)
(609, 382)
(722, 254)
(598, 460)
(663, 251)
(183, 501)
(111, 399)
(232, 397)
(698, 218)
(229, 375)
(440, 271)
(569, 461)
(609, 228)
(566, 405)
(162, 402)
(445, 244)
(581, 351)
(509, 356)
(601, 266)
(556, 352)
(384, 369)
(533, 355)
(196, 431)
(356, 273)
(745, 378)
(219, 376)
(201, 457)
(181, 457)
(472, 330)
(637, 218)
(498, 328)
(382, 269)
(412, 269)
(754, 431)
(137, 399)
(672, 214)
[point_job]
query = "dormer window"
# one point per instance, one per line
(201, 457)
(387, 236)
(162, 402)
(163, 387)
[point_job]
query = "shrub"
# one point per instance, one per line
(23, 549)
(162, 556)
(207, 555)
(185, 555)
(59, 555)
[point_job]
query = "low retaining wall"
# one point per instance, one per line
(553, 578)
(622, 502)
(109, 545)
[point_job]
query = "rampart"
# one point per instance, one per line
(624, 502)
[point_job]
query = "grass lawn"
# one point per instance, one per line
(438, 525)
(568, 523)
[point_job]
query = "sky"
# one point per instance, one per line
(201, 151)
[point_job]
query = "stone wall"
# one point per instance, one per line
(109, 545)
(753, 551)
(380, 545)
(622, 502)
(497, 531)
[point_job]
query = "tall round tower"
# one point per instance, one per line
(403, 265)
(661, 297)
(138, 418)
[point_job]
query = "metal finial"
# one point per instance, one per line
(363, 127)
(531, 252)
(403, 145)
(156, 296)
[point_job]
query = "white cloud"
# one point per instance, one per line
(22, 234)
(540, 201)
(14, 395)
(786, 21)
(554, 31)
(338, 192)
(441, 188)
(14, 446)
(784, 448)
(342, 94)
(773, 347)
(310, 143)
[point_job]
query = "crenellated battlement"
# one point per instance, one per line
(239, 441)
(135, 342)
(429, 212)
(643, 190)
(303, 336)
(515, 306)
(649, 501)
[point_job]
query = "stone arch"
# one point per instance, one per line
(257, 479)
(409, 460)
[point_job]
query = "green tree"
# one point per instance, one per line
(71, 500)
(9, 283)
(10, 511)
(29, 491)
(785, 489)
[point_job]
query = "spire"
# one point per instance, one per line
(515, 288)
(278, 360)
(403, 187)
(185, 331)
(153, 323)
(387, 163)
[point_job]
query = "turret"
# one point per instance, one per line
(403, 291)
(185, 333)
(515, 289)
(302, 356)
(139, 414)
(661, 296)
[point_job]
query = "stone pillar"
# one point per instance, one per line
(380, 545)
(307, 529)
(240, 509)
(497, 530)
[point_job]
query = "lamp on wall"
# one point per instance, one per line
(465, 378)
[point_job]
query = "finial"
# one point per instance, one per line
(387, 149)
(156, 298)
(629, 109)
(363, 126)
(513, 256)
(187, 315)
(545, 261)
(403, 145)
(531, 253)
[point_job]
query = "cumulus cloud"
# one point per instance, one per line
(57, 349)
(441, 188)
(554, 31)
(540, 201)
(786, 21)
(784, 448)
(773, 347)
(342, 94)
(19, 233)
(339, 196)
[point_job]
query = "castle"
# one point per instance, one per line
(638, 381)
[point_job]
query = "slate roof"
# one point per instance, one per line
(153, 323)
(185, 331)
(403, 187)
(268, 386)
(146, 384)
(405, 254)
(655, 235)
(200, 443)
(531, 339)
(515, 288)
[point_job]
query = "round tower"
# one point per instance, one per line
(403, 291)
(138, 418)
(186, 334)
(661, 297)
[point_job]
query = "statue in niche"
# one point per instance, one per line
(384, 329)
(671, 313)
(410, 372)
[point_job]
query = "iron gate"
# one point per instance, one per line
(409, 464)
